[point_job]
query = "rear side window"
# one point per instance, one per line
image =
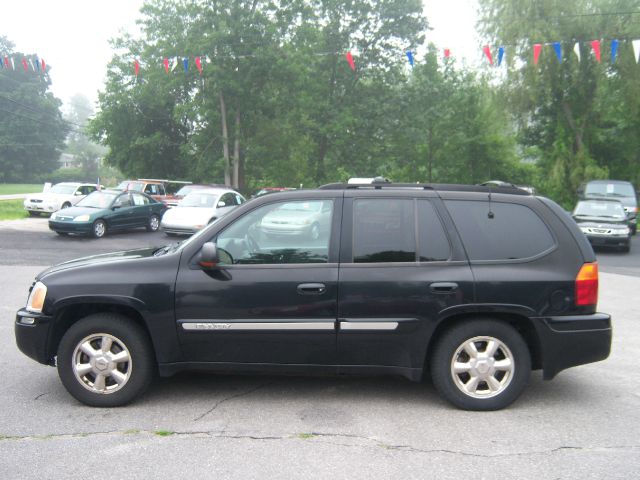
(432, 240)
(384, 230)
(514, 232)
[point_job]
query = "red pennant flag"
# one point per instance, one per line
(24, 65)
(166, 65)
(595, 45)
(537, 48)
(447, 53)
(487, 51)
(352, 64)
(6, 61)
(199, 65)
(136, 67)
(44, 65)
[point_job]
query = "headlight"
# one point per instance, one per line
(622, 231)
(53, 216)
(36, 297)
(584, 229)
(81, 218)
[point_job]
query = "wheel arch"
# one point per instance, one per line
(523, 325)
(72, 311)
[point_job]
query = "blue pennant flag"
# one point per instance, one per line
(557, 46)
(185, 63)
(614, 50)
(410, 57)
(500, 55)
(37, 62)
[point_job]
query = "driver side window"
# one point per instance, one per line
(279, 233)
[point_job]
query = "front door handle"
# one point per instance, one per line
(311, 288)
(443, 287)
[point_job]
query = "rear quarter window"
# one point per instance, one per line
(512, 232)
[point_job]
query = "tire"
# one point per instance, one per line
(633, 229)
(153, 224)
(99, 229)
(626, 248)
(314, 232)
(62, 234)
(105, 379)
(495, 388)
(65, 205)
(33, 214)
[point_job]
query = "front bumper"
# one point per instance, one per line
(32, 335)
(568, 341)
(41, 207)
(83, 228)
(608, 240)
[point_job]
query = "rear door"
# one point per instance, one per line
(399, 269)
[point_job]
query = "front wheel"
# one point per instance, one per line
(99, 229)
(481, 365)
(105, 360)
(154, 223)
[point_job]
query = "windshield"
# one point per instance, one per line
(600, 209)
(99, 199)
(185, 190)
(197, 199)
(63, 189)
(610, 189)
(135, 186)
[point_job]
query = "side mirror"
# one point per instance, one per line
(208, 255)
(78, 193)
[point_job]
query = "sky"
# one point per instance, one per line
(72, 36)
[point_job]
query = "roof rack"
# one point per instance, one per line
(443, 187)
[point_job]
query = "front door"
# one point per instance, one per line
(398, 271)
(272, 300)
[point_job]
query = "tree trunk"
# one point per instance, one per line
(236, 151)
(225, 140)
(577, 132)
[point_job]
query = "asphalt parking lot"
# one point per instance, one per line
(583, 424)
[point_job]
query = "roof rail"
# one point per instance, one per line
(443, 187)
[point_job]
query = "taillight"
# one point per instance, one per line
(587, 285)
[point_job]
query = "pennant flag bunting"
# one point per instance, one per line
(6, 62)
(576, 50)
(595, 46)
(175, 64)
(32, 65)
(185, 64)
(24, 64)
(410, 57)
(37, 64)
(447, 53)
(44, 65)
(487, 51)
(636, 49)
(136, 67)
(166, 64)
(500, 55)
(557, 46)
(614, 50)
(199, 65)
(537, 48)
(352, 64)
(13, 63)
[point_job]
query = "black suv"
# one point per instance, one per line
(476, 285)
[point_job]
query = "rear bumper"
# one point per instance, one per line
(32, 335)
(568, 341)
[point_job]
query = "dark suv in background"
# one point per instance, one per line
(619, 190)
(475, 285)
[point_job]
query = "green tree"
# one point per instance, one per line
(32, 130)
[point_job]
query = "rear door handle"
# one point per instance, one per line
(443, 287)
(311, 288)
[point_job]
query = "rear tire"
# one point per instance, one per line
(105, 360)
(481, 365)
(153, 224)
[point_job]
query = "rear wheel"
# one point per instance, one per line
(154, 223)
(99, 229)
(481, 365)
(105, 360)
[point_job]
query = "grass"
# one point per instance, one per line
(164, 433)
(12, 209)
(16, 188)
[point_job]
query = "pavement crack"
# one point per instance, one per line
(232, 397)
(41, 395)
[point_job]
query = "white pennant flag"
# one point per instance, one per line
(32, 65)
(576, 49)
(636, 49)
(13, 64)
(175, 64)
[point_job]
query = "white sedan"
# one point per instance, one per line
(199, 208)
(61, 195)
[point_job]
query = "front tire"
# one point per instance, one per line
(99, 229)
(105, 360)
(154, 223)
(481, 365)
